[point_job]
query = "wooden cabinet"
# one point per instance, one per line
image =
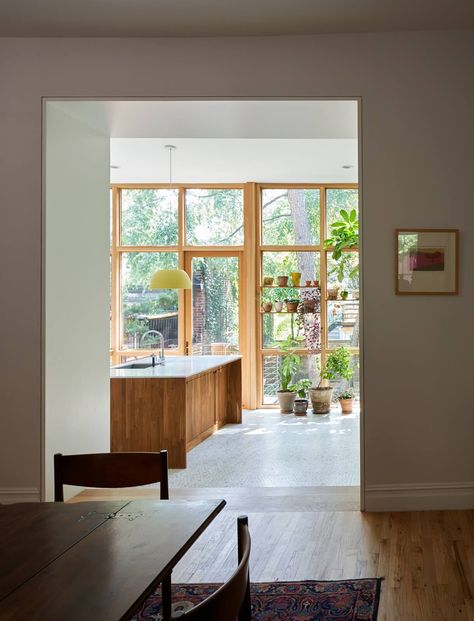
(176, 414)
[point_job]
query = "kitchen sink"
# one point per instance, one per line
(136, 365)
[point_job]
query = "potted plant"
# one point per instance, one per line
(268, 281)
(338, 364)
(301, 402)
(266, 302)
(292, 304)
(332, 292)
(289, 365)
(279, 298)
(282, 281)
(346, 399)
(344, 294)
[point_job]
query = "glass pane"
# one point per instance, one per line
(344, 273)
(214, 217)
(145, 309)
(290, 216)
(303, 326)
(276, 264)
(215, 305)
(343, 314)
(149, 217)
(309, 368)
(337, 200)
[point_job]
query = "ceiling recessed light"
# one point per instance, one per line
(114, 166)
(347, 166)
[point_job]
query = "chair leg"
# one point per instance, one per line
(245, 613)
(166, 597)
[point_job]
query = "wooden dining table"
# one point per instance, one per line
(92, 560)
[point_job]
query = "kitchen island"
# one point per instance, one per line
(175, 405)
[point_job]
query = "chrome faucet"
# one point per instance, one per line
(161, 359)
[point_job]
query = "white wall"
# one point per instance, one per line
(76, 288)
(417, 97)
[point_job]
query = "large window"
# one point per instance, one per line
(294, 221)
(235, 242)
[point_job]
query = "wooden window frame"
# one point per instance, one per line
(250, 257)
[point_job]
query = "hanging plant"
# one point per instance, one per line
(308, 321)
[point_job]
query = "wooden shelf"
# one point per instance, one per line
(289, 287)
(341, 300)
(286, 312)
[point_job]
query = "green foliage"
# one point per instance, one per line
(348, 393)
(338, 364)
(302, 386)
(289, 365)
(344, 235)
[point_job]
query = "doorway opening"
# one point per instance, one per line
(262, 191)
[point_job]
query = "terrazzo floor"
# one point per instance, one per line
(273, 450)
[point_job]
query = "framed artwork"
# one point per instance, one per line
(427, 261)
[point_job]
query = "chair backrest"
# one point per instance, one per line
(111, 470)
(232, 599)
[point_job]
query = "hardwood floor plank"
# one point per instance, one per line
(426, 558)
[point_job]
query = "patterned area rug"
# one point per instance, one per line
(345, 600)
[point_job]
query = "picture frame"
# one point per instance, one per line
(426, 261)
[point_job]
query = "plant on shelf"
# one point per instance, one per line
(301, 402)
(338, 365)
(344, 234)
(344, 294)
(278, 297)
(267, 301)
(346, 399)
(292, 303)
(288, 367)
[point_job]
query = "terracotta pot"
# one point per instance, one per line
(309, 306)
(292, 307)
(296, 278)
(332, 293)
(309, 283)
(282, 281)
(346, 405)
(286, 400)
(300, 407)
(268, 280)
(321, 399)
(267, 307)
(278, 307)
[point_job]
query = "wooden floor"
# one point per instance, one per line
(425, 558)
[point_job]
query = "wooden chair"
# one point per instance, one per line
(115, 470)
(231, 601)
(111, 470)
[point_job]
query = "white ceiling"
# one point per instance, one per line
(226, 141)
(145, 160)
(198, 18)
(218, 119)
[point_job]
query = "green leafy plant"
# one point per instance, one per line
(348, 393)
(338, 364)
(289, 366)
(344, 235)
(302, 386)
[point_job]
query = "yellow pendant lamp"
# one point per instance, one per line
(170, 279)
(174, 278)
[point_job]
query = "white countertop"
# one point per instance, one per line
(174, 367)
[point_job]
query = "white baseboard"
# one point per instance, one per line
(419, 497)
(19, 494)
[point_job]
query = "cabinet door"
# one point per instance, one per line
(200, 406)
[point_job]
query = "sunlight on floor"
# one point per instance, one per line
(271, 449)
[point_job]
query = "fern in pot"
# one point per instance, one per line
(338, 365)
